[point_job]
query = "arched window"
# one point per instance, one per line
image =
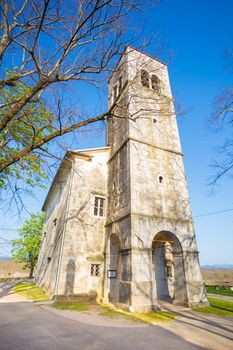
(145, 78)
(115, 93)
(120, 84)
(155, 83)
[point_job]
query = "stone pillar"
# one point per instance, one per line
(143, 280)
(195, 286)
(180, 285)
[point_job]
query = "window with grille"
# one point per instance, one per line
(145, 78)
(168, 271)
(95, 270)
(99, 206)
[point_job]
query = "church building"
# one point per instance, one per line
(119, 225)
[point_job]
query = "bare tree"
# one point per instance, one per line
(222, 119)
(44, 45)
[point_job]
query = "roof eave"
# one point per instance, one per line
(65, 158)
(134, 48)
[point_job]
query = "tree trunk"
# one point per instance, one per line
(31, 271)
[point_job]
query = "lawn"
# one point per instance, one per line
(217, 307)
(30, 291)
(219, 290)
(71, 306)
(116, 313)
(152, 317)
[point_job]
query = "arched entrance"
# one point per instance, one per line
(168, 266)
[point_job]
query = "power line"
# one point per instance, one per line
(8, 229)
(213, 213)
(195, 216)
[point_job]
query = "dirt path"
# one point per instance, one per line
(7, 295)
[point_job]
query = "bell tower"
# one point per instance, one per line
(150, 239)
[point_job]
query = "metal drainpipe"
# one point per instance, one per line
(63, 231)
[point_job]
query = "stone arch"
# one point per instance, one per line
(168, 267)
(113, 268)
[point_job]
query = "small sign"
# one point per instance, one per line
(112, 274)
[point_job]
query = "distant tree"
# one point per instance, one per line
(25, 249)
(222, 119)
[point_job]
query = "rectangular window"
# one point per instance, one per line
(99, 206)
(95, 270)
(112, 274)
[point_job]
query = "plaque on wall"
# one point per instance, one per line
(112, 273)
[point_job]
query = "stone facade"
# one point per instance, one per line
(74, 237)
(119, 223)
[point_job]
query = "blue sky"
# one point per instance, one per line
(198, 33)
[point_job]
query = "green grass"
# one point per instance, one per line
(150, 317)
(112, 313)
(217, 307)
(30, 291)
(219, 290)
(116, 313)
(71, 306)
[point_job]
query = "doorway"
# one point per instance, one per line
(168, 267)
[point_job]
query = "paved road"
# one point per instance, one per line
(207, 330)
(221, 297)
(27, 326)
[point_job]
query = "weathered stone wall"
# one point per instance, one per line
(48, 261)
(152, 195)
(74, 237)
(117, 128)
(84, 232)
(119, 184)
